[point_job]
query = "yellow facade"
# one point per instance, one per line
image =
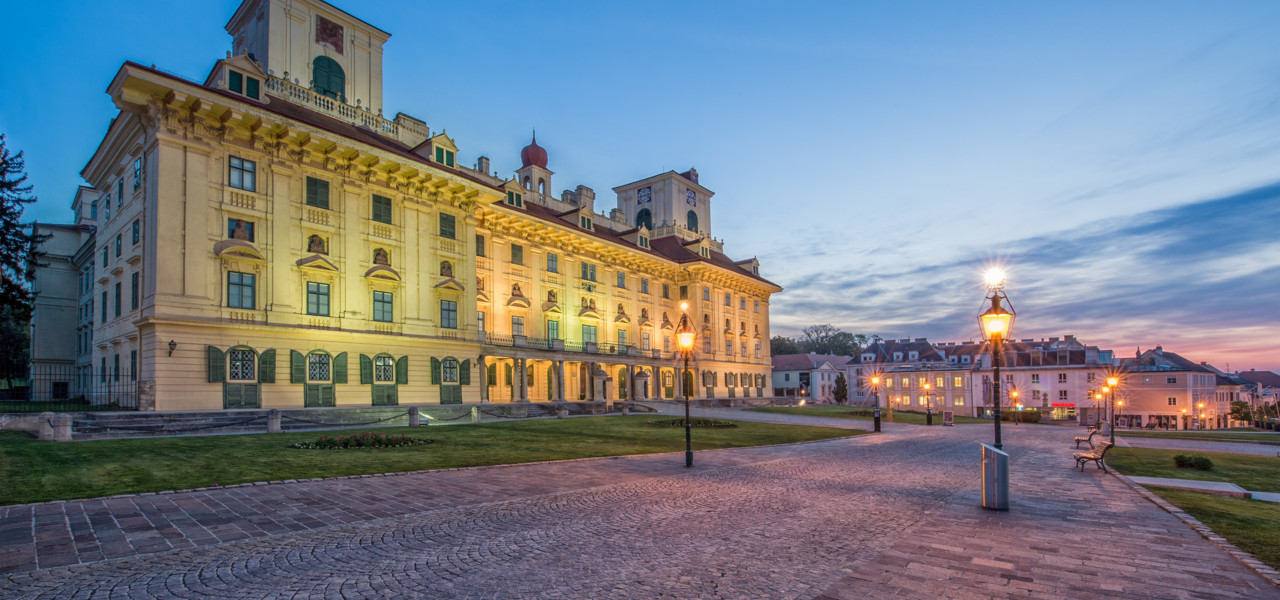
(281, 230)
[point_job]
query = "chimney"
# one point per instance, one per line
(1053, 340)
(922, 339)
(482, 165)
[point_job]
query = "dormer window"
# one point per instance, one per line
(914, 355)
(644, 242)
(897, 357)
(444, 157)
(243, 84)
(513, 198)
(584, 222)
(705, 252)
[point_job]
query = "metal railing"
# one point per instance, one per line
(66, 388)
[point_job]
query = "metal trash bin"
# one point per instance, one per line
(995, 478)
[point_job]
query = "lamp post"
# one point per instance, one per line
(875, 396)
(1200, 424)
(1184, 419)
(684, 340)
(1112, 382)
(996, 324)
(1017, 406)
(1120, 409)
(928, 419)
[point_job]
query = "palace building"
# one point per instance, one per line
(267, 237)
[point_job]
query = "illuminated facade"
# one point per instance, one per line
(291, 246)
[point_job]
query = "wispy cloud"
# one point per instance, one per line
(1202, 277)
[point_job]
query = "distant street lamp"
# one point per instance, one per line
(929, 399)
(684, 340)
(1017, 406)
(1200, 425)
(875, 397)
(996, 324)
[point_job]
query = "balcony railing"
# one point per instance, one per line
(406, 130)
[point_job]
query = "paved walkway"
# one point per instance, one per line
(880, 516)
(1201, 445)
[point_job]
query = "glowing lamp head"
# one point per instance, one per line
(1201, 405)
(802, 403)
(994, 277)
(684, 306)
(1105, 389)
(1119, 402)
(1014, 393)
(1112, 381)
(996, 322)
(685, 339)
(875, 381)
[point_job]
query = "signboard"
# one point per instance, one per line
(948, 417)
(1063, 405)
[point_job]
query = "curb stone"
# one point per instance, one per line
(1244, 558)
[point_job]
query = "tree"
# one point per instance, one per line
(826, 339)
(783, 345)
(19, 254)
(1241, 411)
(841, 392)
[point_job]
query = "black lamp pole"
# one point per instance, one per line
(688, 425)
(995, 384)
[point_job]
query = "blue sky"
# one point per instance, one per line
(1120, 157)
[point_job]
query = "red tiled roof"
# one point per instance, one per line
(803, 362)
(1266, 378)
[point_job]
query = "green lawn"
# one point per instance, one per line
(1254, 473)
(1252, 525)
(34, 471)
(1215, 435)
(846, 412)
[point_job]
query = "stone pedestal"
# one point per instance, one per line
(46, 426)
(62, 427)
(147, 394)
(273, 421)
(415, 419)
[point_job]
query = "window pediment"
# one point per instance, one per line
(237, 249)
(317, 262)
(449, 283)
(383, 272)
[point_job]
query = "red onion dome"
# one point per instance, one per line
(533, 154)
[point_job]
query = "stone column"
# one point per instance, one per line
(415, 419)
(46, 426)
(560, 381)
(273, 421)
(62, 427)
(523, 394)
(631, 383)
(484, 378)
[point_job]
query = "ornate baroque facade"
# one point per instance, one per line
(290, 246)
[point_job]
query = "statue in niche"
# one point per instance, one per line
(757, 330)
(315, 244)
(621, 310)
(664, 317)
(380, 257)
(584, 304)
(515, 290)
(706, 319)
(479, 284)
(644, 314)
(551, 296)
(240, 232)
(591, 304)
(446, 268)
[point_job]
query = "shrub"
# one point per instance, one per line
(364, 439)
(1193, 461)
(694, 422)
(1023, 416)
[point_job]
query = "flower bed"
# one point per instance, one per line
(364, 439)
(695, 422)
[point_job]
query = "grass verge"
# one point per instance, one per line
(1231, 435)
(1252, 525)
(1254, 473)
(847, 412)
(35, 471)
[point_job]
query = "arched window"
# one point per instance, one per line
(241, 363)
(693, 221)
(528, 183)
(542, 186)
(644, 217)
(449, 367)
(384, 369)
(318, 368)
(328, 78)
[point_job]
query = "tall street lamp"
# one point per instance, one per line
(684, 340)
(875, 397)
(1017, 406)
(1112, 382)
(996, 324)
(928, 394)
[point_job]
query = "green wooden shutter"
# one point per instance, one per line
(311, 397)
(402, 370)
(267, 366)
(217, 365)
(506, 370)
(340, 368)
(464, 372)
(366, 370)
(312, 186)
(435, 371)
(297, 367)
(232, 396)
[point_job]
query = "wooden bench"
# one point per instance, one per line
(1087, 438)
(1097, 456)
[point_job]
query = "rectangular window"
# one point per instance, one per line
(448, 314)
(728, 299)
(448, 225)
(242, 174)
(235, 82)
(684, 292)
(1173, 401)
(119, 244)
(104, 306)
(480, 320)
(133, 291)
(317, 193)
(588, 271)
(553, 263)
(757, 309)
(317, 298)
(1092, 377)
(622, 338)
(956, 382)
(444, 156)
(706, 345)
(666, 343)
(240, 290)
(744, 349)
(479, 245)
(644, 340)
(117, 298)
(706, 294)
(120, 192)
(742, 303)
(381, 209)
(666, 291)
(1171, 379)
(758, 351)
(622, 281)
(644, 286)
(517, 325)
(517, 254)
(245, 227)
(383, 306)
(137, 231)
(137, 173)
(1062, 377)
(588, 334)
(103, 377)
(133, 364)
(728, 347)
(553, 330)
(115, 367)
(1035, 378)
(251, 87)
(1062, 395)
(515, 199)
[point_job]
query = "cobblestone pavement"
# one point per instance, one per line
(1201, 445)
(873, 515)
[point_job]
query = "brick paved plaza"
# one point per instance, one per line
(885, 515)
